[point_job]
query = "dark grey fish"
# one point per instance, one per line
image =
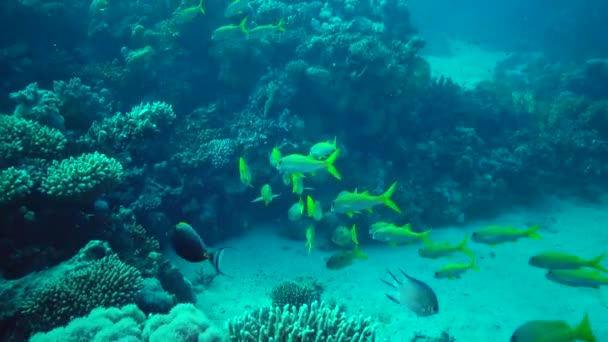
(413, 294)
(190, 246)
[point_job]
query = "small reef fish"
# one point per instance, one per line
(314, 209)
(236, 8)
(394, 235)
(263, 31)
(310, 237)
(413, 294)
(274, 157)
(453, 271)
(298, 163)
(97, 7)
(297, 179)
(494, 235)
(434, 250)
(266, 195)
(563, 261)
(344, 237)
(296, 211)
(230, 32)
(343, 259)
(351, 203)
(244, 172)
(190, 246)
(579, 278)
(553, 331)
(323, 149)
(188, 14)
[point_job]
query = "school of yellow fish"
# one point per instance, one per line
(563, 268)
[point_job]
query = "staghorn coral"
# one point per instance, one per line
(315, 323)
(38, 105)
(82, 176)
(104, 282)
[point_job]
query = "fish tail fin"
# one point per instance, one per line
(425, 237)
(596, 263)
(329, 163)
(583, 330)
(281, 25)
(358, 253)
(310, 206)
(243, 27)
(473, 265)
(200, 7)
(216, 259)
(353, 234)
(335, 143)
(386, 197)
(532, 232)
(258, 199)
(465, 249)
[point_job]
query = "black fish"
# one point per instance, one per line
(189, 246)
(413, 294)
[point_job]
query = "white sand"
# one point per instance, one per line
(481, 306)
(468, 65)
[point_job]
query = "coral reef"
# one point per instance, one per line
(296, 293)
(317, 322)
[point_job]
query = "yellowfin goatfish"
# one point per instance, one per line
(453, 271)
(266, 195)
(229, 32)
(310, 237)
(493, 235)
(296, 210)
(553, 331)
(188, 14)
(323, 149)
(342, 259)
(189, 246)
(244, 172)
(274, 157)
(351, 203)
(314, 209)
(394, 235)
(298, 163)
(263, 31)
(236, 8)
(413, 294)
(434, 250)
(563, 261)
(580, 278)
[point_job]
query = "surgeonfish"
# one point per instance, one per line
(434, 250)
(244, 172)
(553, 331)
(581, 277)
(188, 245)
(351, 203)
(298, 163)
(455, 270)
(413, 294)
(323, 149)
(563, 261)
(266, 195)
(493, 235)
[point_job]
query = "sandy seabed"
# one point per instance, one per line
(481, 306)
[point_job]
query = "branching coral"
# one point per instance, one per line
(14, 184)
(104, 282)
(296, 293)
(315, 323)
(22, 138)
(82, 176)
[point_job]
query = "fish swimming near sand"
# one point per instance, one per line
(189, 245)
(413, 294)
(554, 331)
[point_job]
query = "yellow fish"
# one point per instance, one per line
(188, 14)
(298, 163)
(553, 331)
(493, 235)
(453, 271)
(310, 237)
(314, 209)
(244, 172)
(351, 203)
(394, 235)
(563, 261)
(266, 195)
(296, 210)
(323, 149)
(434, 250)
(274, 157)
(263, 31)
(581, 277)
